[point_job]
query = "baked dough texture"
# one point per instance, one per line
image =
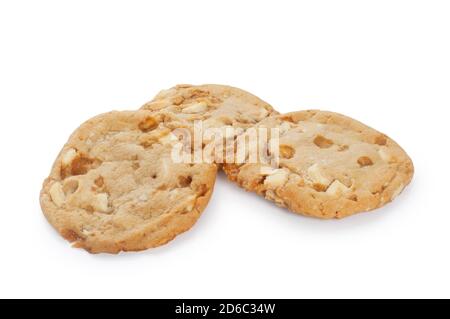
(216, 105)
(114, 186)
(331, 166)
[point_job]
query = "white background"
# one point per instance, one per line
(386, 63)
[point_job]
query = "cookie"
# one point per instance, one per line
(114, 187)
(330, 166)
(215, 105)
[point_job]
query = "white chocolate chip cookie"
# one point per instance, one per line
(114, 186)
(330, 166)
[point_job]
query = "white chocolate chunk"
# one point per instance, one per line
(295, 178)
(57, 194)
(143, 197)
(266, 170)
(278, 178)
(384, 154)
(168, 139)
(100, 202)
(69, 156)
(317, 176)
(337, 188)
(190, 202)
(196, 108)
(173, 194)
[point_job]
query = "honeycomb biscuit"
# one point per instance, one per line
(114, 187)
(330, 166)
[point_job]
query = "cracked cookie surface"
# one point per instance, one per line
(216, 105)
(114, 186)
(330, 166)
